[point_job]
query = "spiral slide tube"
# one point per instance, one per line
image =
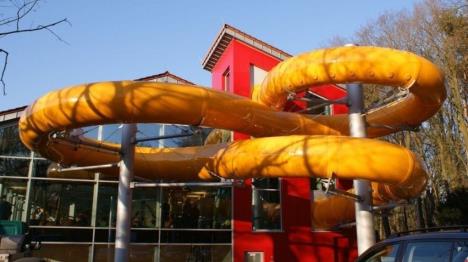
(286, 144)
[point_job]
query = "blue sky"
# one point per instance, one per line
(117, 40)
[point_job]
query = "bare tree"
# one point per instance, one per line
(12, 17)
(435, 29)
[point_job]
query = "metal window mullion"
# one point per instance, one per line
(25, 215)
(94, 215)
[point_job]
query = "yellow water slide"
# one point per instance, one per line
(285, 145)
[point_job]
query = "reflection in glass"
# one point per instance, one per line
(13, 199)
(112, 133)
(266, 204)
(145, 203)
(40, 168)
(387, 254)
(106, 205)
(427, 251)
(60, 234)
(10, 144)
(194, 253)
(196, 207)
(195, 236)
(317, 192)
(63, 252)
(144, 206)
(14, 167)
(104, 253)
(61, 204)
(460, 252)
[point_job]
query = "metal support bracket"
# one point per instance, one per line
(389, 206)
(182, 184)
(398, 128)
(154, 138)
(331, 190)
(79, 168)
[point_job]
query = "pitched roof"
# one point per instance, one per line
(165, 77)
(225, 36)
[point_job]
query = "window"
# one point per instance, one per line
(266, 204)
(427, 252)
(13, 199)
(10, 144)
(460, 252)
(253, 257)
(385, 254)
(256, 75)
(61, 204)
(196, 207)
(227, 81)
(14, 167)
(312, 105)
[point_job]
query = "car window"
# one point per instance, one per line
(428, 252)
(384, 254)
(460, 251)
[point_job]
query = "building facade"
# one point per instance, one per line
(271, 219)
(73, 214)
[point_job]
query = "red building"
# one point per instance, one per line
(271, 219)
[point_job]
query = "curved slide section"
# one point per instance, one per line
(286, 144)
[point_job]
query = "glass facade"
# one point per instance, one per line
(75, 218)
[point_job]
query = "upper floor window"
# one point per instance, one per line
(256, 75)
(227, 81)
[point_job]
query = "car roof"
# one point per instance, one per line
(431, 236)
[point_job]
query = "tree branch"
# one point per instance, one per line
(19, 15)
(38, 28)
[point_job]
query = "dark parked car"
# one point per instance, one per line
(443, 246)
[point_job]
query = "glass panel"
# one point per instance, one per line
(145, 203)
(266, 209)
(317, 192)
(385, 254)
(266, 204)
(14, 167)
(323, 110)
(136, 235)
(57, 234)
(196, 207)
(180, 236)
(253, 257)
(112, 133)
(427, 252)
(150, 130)
(460, 252)
(13, 199)
(104, 253)
(195, 253)
(106, 205)
(144, 207)
(59, 252)
(61, 204)
(40, 168)
(266, 183)
(10, 143)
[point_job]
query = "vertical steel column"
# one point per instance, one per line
(124, 203)
(357, 128)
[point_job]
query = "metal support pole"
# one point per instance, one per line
(357, 128)
(124, 203)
